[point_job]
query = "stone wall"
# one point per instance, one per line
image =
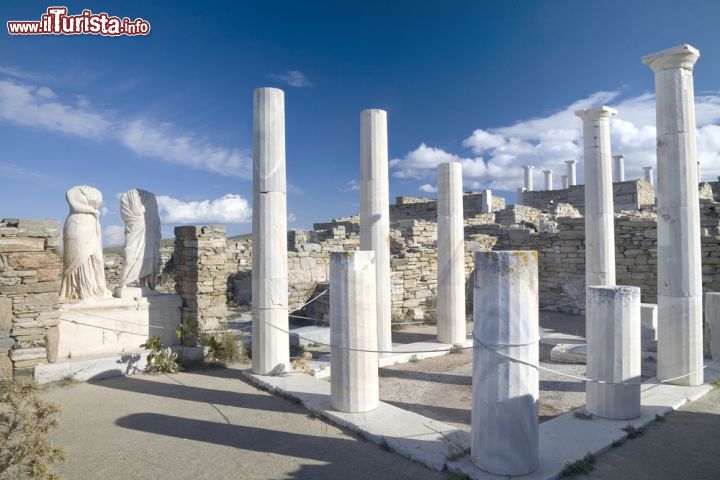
(30, 269)
(200, 272)
(629, 195)
(418, 208)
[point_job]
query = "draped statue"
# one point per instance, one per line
(139, 211)
(83, 265)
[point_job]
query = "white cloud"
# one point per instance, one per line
(149, 141)
(28, 106)
(291, 217)
(546, 142)
(39, 107)
(293, 78)
(227, 209)
(350, 186)
(113, 235)
(427, 188)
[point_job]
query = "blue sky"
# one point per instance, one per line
(492, 85)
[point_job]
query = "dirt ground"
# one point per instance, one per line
(440, 387)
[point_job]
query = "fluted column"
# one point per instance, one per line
(375, 212)
(649, 175)
(565, 183)
(487, 201)
(528, 177)
(450, 255)
(619, 168)
(571, 171)
(599, 214)
(680, 336)
(270, 344)
(548, 179)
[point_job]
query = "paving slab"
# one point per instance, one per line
(409, 434)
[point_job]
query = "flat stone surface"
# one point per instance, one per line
(411, 435)
(207, 424)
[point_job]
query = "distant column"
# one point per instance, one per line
(528, 177)
(548, 179)
(712, 321)
(487, 201)
(619, 168)
(679, 276)
(599, 213)
(565, 183)
(504, 434)
(270, 344)
(354, 374)
(450, 255)
(649, 175)
(571, 172)
(375, 212)
(519, 195)
(613, 352)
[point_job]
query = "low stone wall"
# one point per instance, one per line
(629, 195)
(30, 268)
(417, 208)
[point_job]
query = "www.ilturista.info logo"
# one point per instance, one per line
(56, 21)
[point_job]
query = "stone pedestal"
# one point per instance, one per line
(375, 212)
(504, 435)
(354, 383)
(648, 321)
(571, 172)
(450, 255)
(528, 177)
(114, 325)
(270, 342)
(649, 175)
(613, 352)
(712, 323)
(548, 179)
(679, 279)
(599, 212)
(619, 168)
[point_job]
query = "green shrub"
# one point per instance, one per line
(223, 349)
(160, 359)
(582, 467)
(25, 420)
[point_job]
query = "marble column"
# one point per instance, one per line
(599, 214)
(519, 195)
(450, 255)
(680, 342)
(504, 434)
(270, 345)
(613, 352)
(487, 201)
(712, 323)
(375, 212)
(619, 168)
(565, 182)
(548, 179)
(528, 177)
(571, 172)
(649, 175)
(354, 383)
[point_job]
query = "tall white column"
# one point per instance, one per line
(450, 255)
(619, 168)
(613, 352)
(712, 323)
(649, 175)
(528, 177)
(678, 247)
(270, 345)
(375, 212)
(504, 435)
(548, 179)
(565, 183)
(354, 383)
(571, 172)
(599, 215)
(487, 201)
(519, 195)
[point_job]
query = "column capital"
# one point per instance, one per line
(647, 168)
(618, 156)
(595, 112)
(571, 162)
(528, 167)
(547, 171)
(682, 56)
